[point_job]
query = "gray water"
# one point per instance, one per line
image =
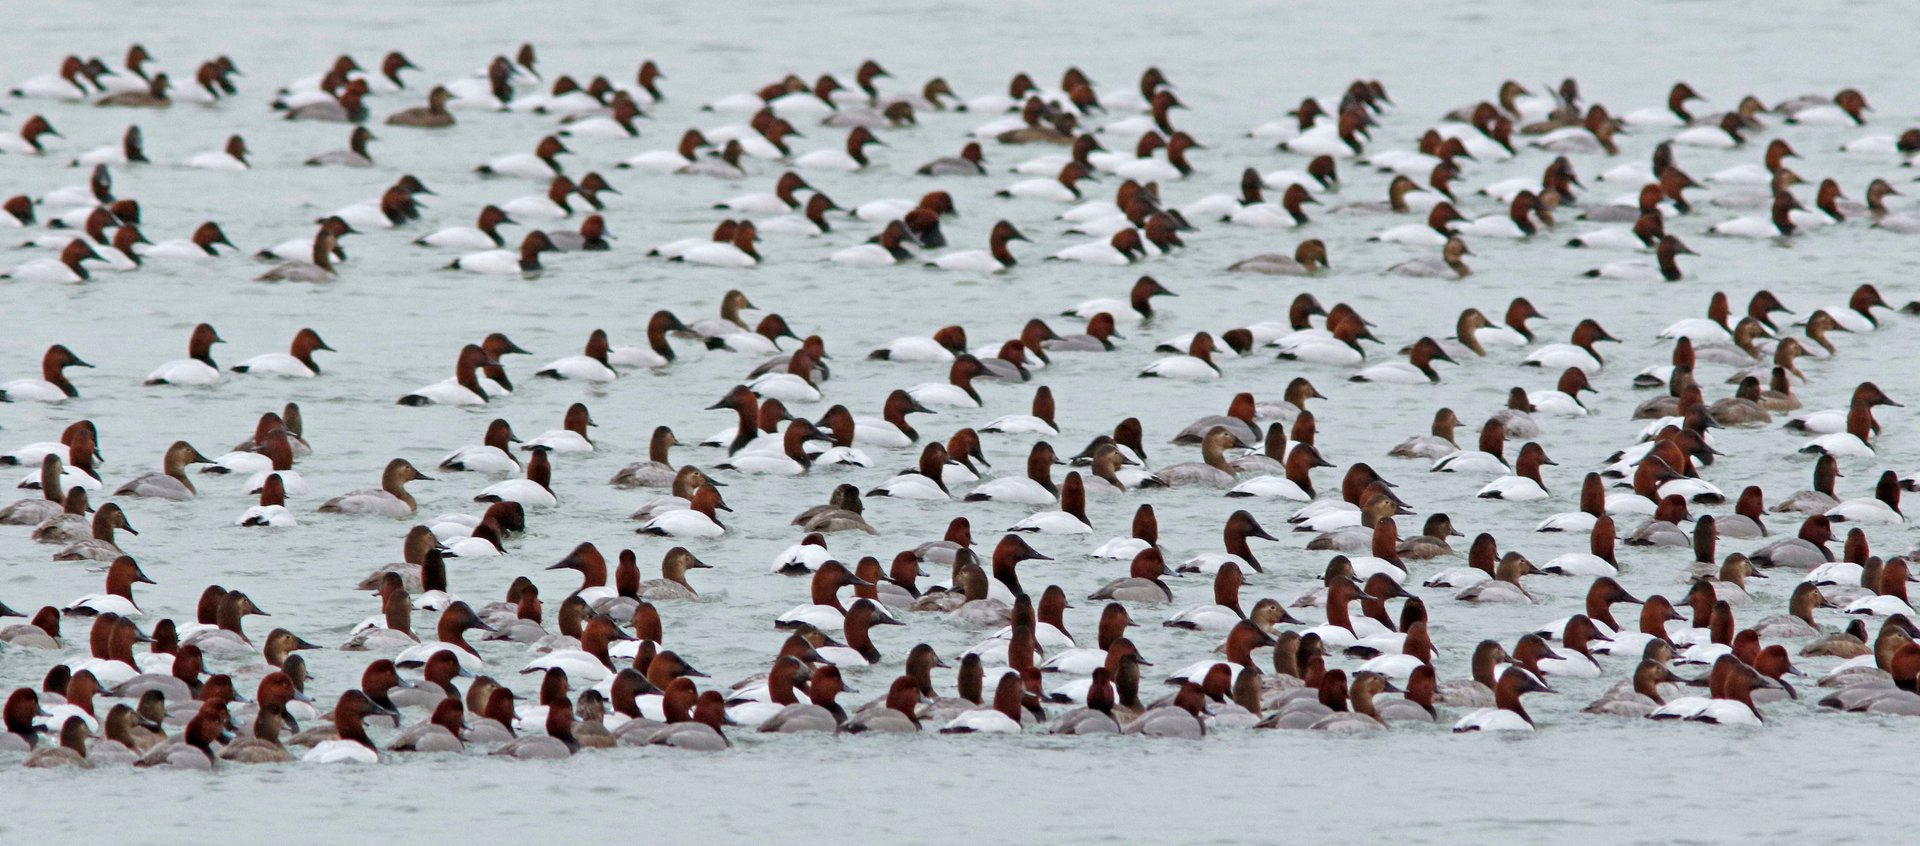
(398, 320)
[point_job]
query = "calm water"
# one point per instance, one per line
(397, 321)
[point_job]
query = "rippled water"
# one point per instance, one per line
(397, 321)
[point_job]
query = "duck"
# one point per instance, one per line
(1283, 215)
(1725, 135)
(657, 471)
(391, 499)
(1143, 584)
(100, 546)
(232, 157)
(996, 258)
(464, 388)
(1525, 484)
(26, 140)
(1418, 369)
(695, 520)
(69, 523)
(1599, 562)
(171, 482)
(483, 235)
(1844, 110)
(353, 746)
(297, 362)
(320, 268)
(50, 504)
(1673, 114)
(1034, 488)
(122, 574)
(1730, 698)
(853, 157)
(1197, 363)
(1507, 714)
(1778, 224)
(534, 491)
(542, 163)
(66, 268)
(525, 261)
(1664, 265)
(198, 368)
(1505, 586)
(1578, 353)
(1516, 223)
(792, 460)
(1806, 550)
(1883, 508)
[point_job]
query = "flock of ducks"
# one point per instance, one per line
(453, 676)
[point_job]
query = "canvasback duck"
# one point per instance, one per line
(320, 268)
(657, 353)
(738, 252)
(391, 499)
(26, 140)
(1882, 508)
(74, 81)
(464, 388)
(534, 491)
(69, 523)
(272, 510)
(1855, 440)
(1730, 697)
(1779, 224)
(957, 391)
(1418, 369)
(450, 636)
(1040, 421)
(199, 246)
(924, 481)
(1143, 584)
(945, 343)
(100, 546)
(1197, 363)
(1004, 717)
(353, 745)
(663, 161)
(1578, 353)
(996, 258)
(198, 368)
(1525, 484)
(1034, 488)
(657, 471)
(852, 158)
(541, 163)
(1437, 444)
(551, 204)
(696, 520)
(526, 261)
(1434, 233)
(1844, 109)
(296, 362)
(971, 161)
(50, 504)
(483, 235)
(1507, 714)
(171, 482)
(1599, 561)
(1070, 519)
(66, 268)
(231, 157)
(1062, 188)
(122, 574)
(1137, 307)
